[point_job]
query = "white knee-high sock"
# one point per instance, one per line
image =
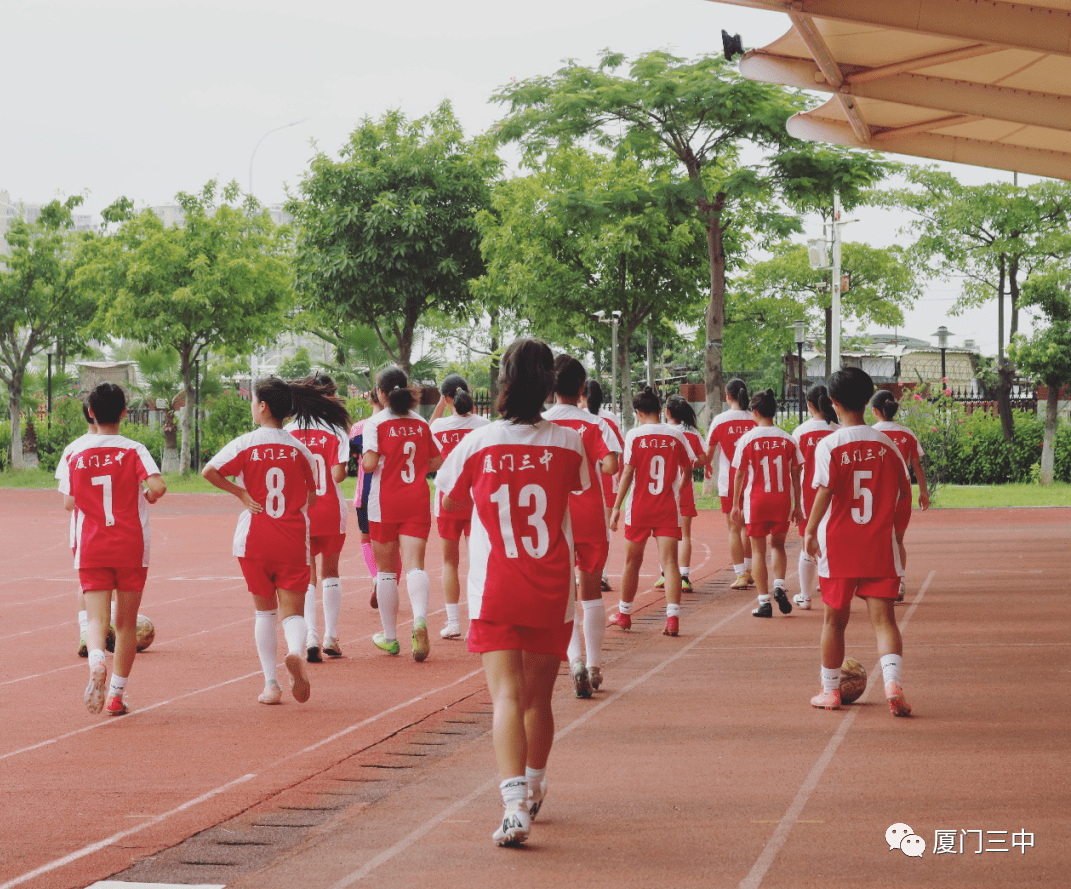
(594, 630)
(418, 585)
(574, 651)
(808, 577)
(264, 633)
(295, 630)
(310, 608)
(332, 605)
(387, 592)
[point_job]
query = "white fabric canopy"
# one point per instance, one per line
(984, 83)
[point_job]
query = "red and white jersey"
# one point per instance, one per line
(519, 477)
(725, 431)
(807, 436)
(906, 441)
(661, 457)
(399, 491)
(277, 471)
(104, 476)
(587, 508)
(448, 432)
(767, 455)
(330, 447)
(863, 469)
(61, 473)
(612, 483)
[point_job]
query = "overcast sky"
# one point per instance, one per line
(149, 98)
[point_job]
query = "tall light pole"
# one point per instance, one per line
(261, 139)
(942, 334)
(613, 321)
(800, 329)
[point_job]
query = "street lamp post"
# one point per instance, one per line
(942, 334)
(49, 391)
(613, 321)
(261, 139)
(800, 328)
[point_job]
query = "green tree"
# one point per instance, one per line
(993, 237)
(388, 231)
(1046, 356)
(220, 279)
(39, 307)
(696, 115)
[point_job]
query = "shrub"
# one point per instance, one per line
(227, 417)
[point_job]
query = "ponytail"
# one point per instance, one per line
(884, 402)
(463, 403)
(737, 390)
(313, 400)
(393, 383)
(593, 393)
(680, 410)
(819, 397)
(456, 388)
(764, 403)
(569, 376)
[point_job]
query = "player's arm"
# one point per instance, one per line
(609, 464)
(68, 502)
(708, 468)
(338, 473)
(369, 461)
(435, 462)
(214, 477)
(797, 494)
(737, 515)
(818, 510)
(155, 488)
(626, 483)
(920, 474)
(440, 408)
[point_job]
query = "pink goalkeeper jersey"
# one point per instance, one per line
(519, 478)
(662, 458)
(863, 469)
(767, 455)
(330, 447)
(104, 476)
(277, 471)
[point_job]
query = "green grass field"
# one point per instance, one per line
(948, 496)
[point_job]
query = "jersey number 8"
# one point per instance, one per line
(275, 502)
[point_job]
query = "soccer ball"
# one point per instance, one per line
(852, 680)
(147, 632)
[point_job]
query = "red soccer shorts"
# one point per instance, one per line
(763, 529)
(486, 635)
(264, 577)
(389, 532)
(688, 499)
(639, 533)
(902, 517)
(590, 556)
(837, 592)
(451, 528)
(329, 544)
(127, 580)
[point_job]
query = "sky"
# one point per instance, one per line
(146, 99)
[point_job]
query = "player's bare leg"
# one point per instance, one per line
(903, 564)
(834, 623)
(685, 550)
(418, 586)
(452, 588)
(739, 550)
(312, 640)
(891, 649)
(98, 615)
(587, 672)
(292, 609)
(780, 565)
(762, 578)
(667, 555)
(630, 581)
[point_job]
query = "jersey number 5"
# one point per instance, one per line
(864, 512)
(535, 498)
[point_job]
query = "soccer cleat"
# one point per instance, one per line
(515, 827)
(827, 700)
(331, 647)
(765, 609)
(661, 582)
(83, 649)
(312, 648)
(390, 646)
(740, 583)
(299, 679)
(802, 601)
(421, 642)
(94, 696)
(781, 598)
(686, 584)
(536, 796)
(606, 588)
(272, 694)
(622, 620)
(903, 591)
(374, 599)
(581, 680)
(895, 696)
(451, 631)
(673, 626)
(595, 675)
(116, 706)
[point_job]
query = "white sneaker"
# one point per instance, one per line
(451, 631)
(515, 827)
(535, 798)
(802, 601)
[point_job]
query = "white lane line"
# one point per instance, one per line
(411, 838)
(123, 834)
(784, 827)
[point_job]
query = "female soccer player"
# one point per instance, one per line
(330, 449)
(103, 479)
(658, 457)
(588, 516)
(860, 477)
(823, 421)
(680, 413)
(360, 494)
(399, 452)
(885, 407)
(448, 432)
(275, 480)
(725, 431)
(519, 472)
(591, 401)
(766, 497)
